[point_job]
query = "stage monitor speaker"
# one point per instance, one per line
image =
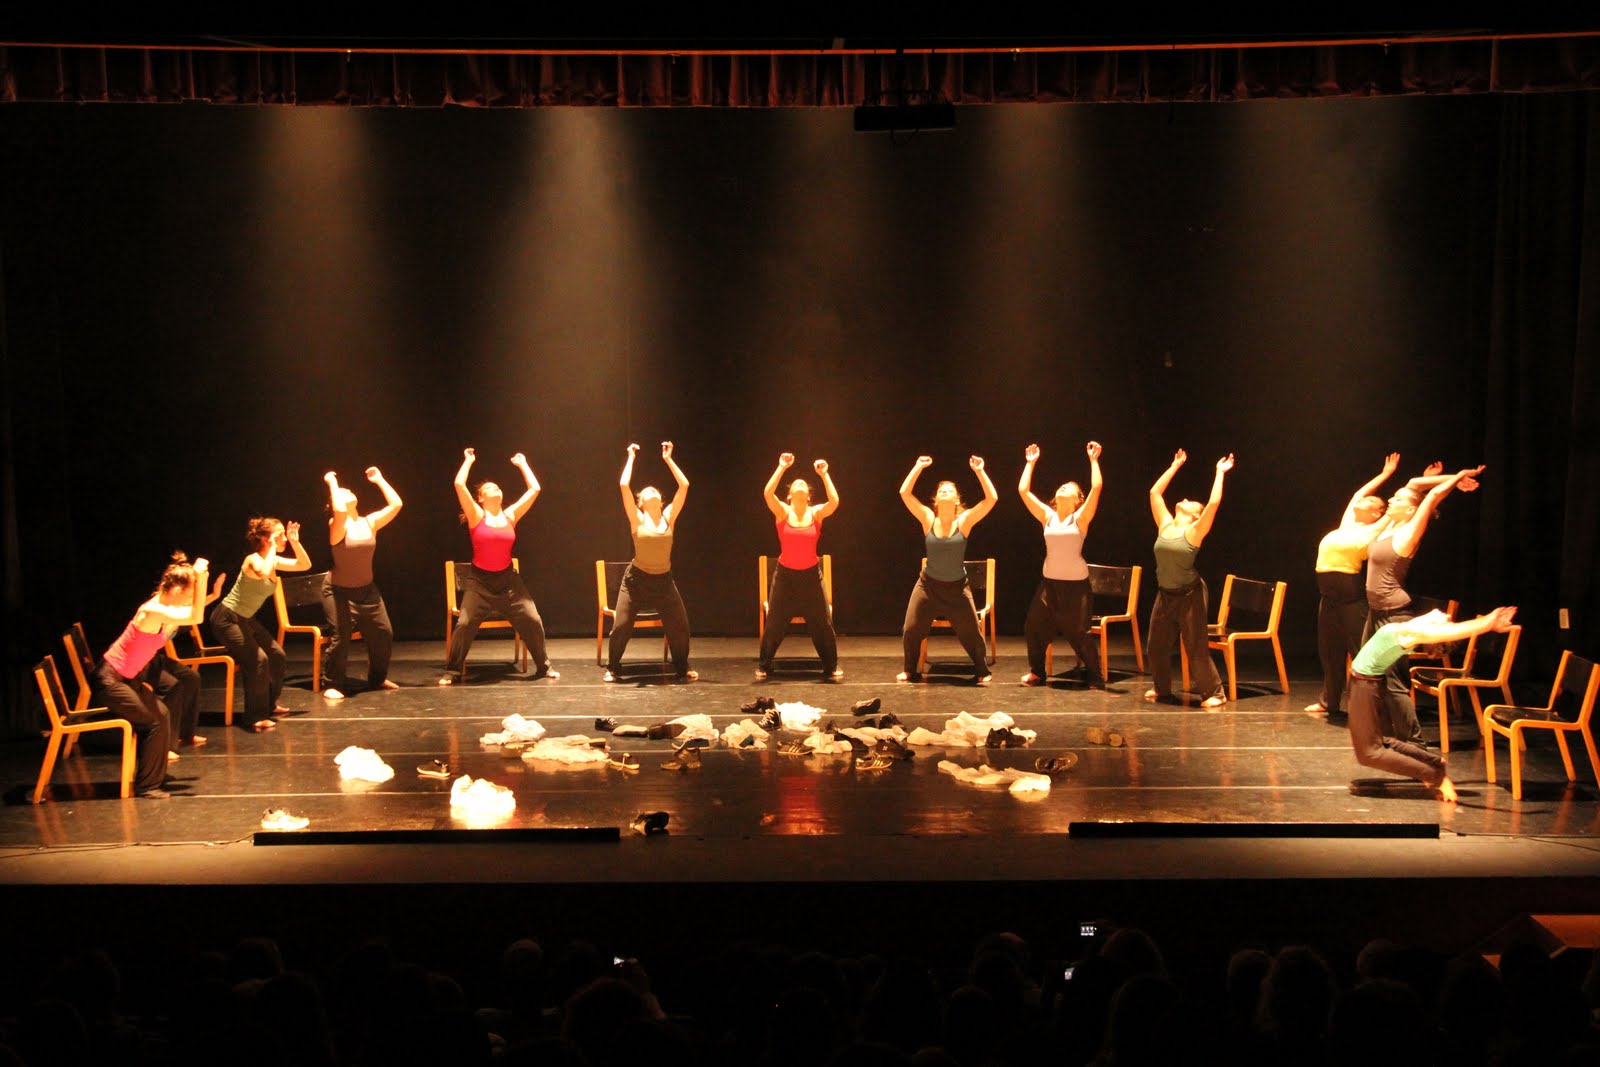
(904, 118)
(1124, 830)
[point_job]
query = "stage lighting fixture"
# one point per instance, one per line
(905, 118)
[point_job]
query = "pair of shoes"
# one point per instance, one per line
(771, 721)
(761, 703)
(663, 730)
(434, 768)
(686, 759)
(874, 762)
(794, 748)
(866, 707)
(1098, 735)
(1056, 764)
(1004, 737)
(605, 724)
(650, 823)
(625, 762)
(279, 819)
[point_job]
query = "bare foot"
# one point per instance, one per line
(761, 675)
(902, 677)
(1447, 791)
(281, 710)
(1032, 679)
(552, 675)
(607, 676)
(195, 742)
(447, 679)
(332, 694)
(387, 684)
(261, 726)
(983, 679)
(838, 673)
(1151, 694)
(690, 676)
(1213, 702)
(172, 757)
(1319, 708)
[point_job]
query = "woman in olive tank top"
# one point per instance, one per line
(647, 584)
(233, 620)
(942, 587)
(1180, 608)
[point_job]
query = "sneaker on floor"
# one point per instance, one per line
(436, 768)
(650, 823)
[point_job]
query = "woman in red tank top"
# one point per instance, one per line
(492, 584)
(797, 579)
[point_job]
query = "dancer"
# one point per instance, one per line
(797, 582)
(1388, 560)
(493, 584)
(942, 587)
(647, 584)
(257, 652)
(133, 684)
(1181, 605)
(353, 538)
(1061, 604)
(1341, 556)
(1387, 646)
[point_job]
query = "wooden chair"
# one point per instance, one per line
(980, 575)
(1121, 584)
(83, 664)
(1439, 682)
(1569, 710)
(299, 591)
(608, 576)
(453, 573)
(766, 567)
(66, 725)
(209, 656)
(1258, 600)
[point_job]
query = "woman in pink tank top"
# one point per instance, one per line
(492, 585)
(137, 682)
(797, 580)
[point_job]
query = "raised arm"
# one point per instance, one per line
(918, 509)
(529, 495)
(1208, 514)
(300, 561)
(1409, 535)
(1035, 506)
(828, 507)
(1391, 463)
(769, 494)
(675, 508)
(336, 518)
(1158, 491)
(630, 508)
(1442, 633)
(1091, 503)
(190, 614)
(974, 515)
(469, 506)
(392, 502)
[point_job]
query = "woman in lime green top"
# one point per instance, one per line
(259, 656)
(1384, 648)
(647, 584)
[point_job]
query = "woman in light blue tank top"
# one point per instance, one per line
(942, 588)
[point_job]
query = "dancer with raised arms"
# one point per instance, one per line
(1062, 602)
(796, 587)
(1181, 604)
(647, 584)
(233, 620)
(942, 587)
(349, 588)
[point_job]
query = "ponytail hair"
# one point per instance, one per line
(260, 529)
(180, 574)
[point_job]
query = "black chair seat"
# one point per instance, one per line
(1505, 715)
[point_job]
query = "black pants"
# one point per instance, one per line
(132, 699)
(953, 600)
(260, 659)
(1400, 713)
(1382, 752)
(178, 686)
(799, 592)
(643, 591)
(366, 604)
(485, 594)
(1181, 613)
(1341, 616)
(1061, 606)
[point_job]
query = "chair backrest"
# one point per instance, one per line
(1508, 652)
(81, 660)
(608, 576)
(1121, 584)
(1577, 680)
(455, 571)
(49, 681)
(300, 590)
(767, 566)
(1421, 605)
(1254, 598)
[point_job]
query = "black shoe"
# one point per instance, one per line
(888, 746)
(650, 823)
(771, 722)
(866, 707)
(761, 703)
(888, 719)
(1004, 738)
(606, 724)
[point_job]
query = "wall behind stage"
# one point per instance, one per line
(205, 309)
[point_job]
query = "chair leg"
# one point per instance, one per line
(227, 700)
(1138, 649)
(600, 639)
(1516, 761)
(1566, 755)
(1443, 693)
(67, 744)
(1594, 757)
(1232, 653)
(1105, 654)
(128, 753)
(992, 653)
(922, 658)
(1488, 748)
(1049, 659)
(52, 750)
(1283, 672)
(316, 665)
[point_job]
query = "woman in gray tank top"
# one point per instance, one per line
(647, 584)
(350, 596)
(1180, 608)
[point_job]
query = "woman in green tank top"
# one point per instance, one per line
(1180, 608)
(647, 584)
(258, 654)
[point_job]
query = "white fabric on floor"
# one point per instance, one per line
(575, 748)
(514, 728)
(695, 728)
(871, 735)
(481, 797)
(363, 764)
(991, 778)
(968, 731)
(737, 735)
(798, 716)
(827, 745)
